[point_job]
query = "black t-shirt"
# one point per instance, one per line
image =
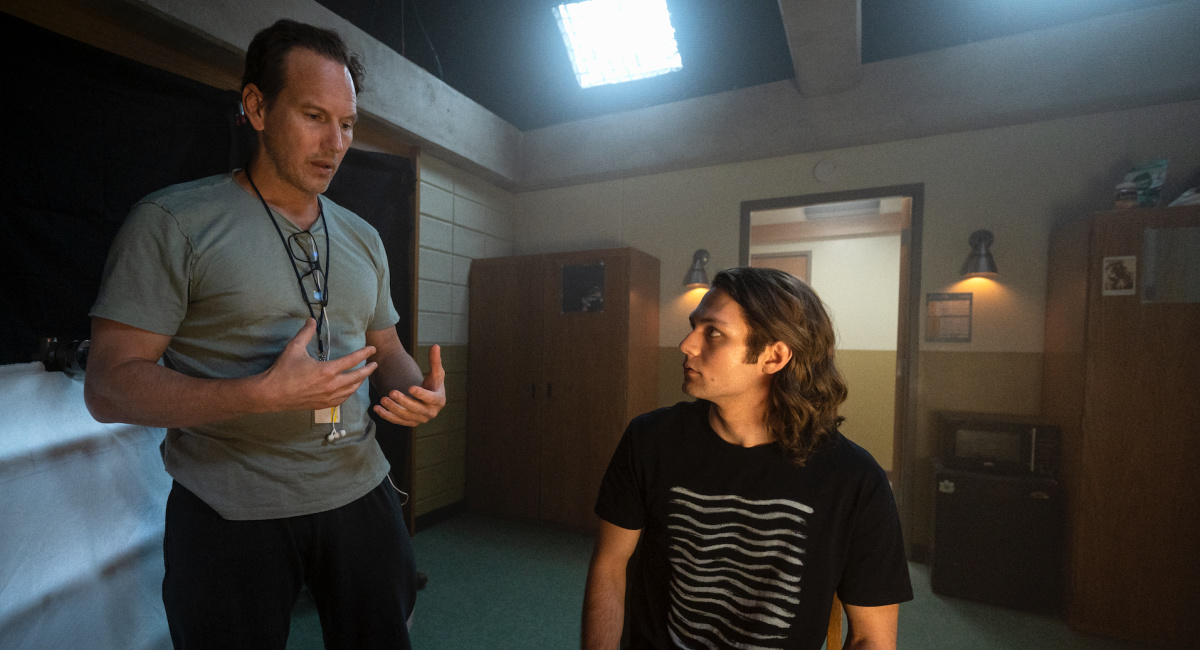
(741, 548)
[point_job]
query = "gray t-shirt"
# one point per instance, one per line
(201, 262)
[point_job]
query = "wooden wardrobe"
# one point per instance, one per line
(1122, 379)
(563, 353)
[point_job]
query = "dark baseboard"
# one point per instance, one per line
(435, 517)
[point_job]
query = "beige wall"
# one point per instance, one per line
(1015, 181)
(462, 218)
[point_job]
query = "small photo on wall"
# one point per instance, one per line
(1119, 276)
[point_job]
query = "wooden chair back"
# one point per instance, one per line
(833, 638)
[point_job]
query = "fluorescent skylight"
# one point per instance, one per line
(611, 41)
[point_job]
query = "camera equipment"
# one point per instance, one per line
(69, 357)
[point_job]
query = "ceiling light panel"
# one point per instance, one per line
(612, 41)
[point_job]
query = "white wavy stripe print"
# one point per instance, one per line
(735, 569)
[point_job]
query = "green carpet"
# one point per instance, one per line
(496, 584)
(937, 622)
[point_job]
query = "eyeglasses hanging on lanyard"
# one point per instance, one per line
(314, 284)
(303, 247)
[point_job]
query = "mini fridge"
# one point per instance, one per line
(998, 539)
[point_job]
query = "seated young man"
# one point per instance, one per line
(750, 508)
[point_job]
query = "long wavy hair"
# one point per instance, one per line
(802, 408)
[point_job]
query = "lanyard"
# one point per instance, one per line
(322, 353)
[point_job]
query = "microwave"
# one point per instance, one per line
(998, 443)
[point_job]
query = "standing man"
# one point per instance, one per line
(268, 306)
(750, 508)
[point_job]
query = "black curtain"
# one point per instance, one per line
(90, 134)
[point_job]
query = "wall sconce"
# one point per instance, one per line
(979, 263)
(696, 276)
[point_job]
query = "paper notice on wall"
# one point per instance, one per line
(948, 317)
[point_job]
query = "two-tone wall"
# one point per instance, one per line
(1015, 181)
(462, 218)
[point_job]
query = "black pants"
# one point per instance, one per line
(232, 584)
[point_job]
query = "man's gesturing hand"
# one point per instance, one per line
(298, 382)
(423, 402)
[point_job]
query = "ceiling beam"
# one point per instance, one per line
(398, 92)
(825, 39)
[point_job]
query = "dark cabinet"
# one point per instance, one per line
(563, 353)
(1122, 379)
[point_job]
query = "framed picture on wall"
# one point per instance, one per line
(583, 288)
(1120, 276)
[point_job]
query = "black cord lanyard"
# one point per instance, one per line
(321, 352)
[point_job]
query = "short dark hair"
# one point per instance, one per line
(267, 54)
(802, 408)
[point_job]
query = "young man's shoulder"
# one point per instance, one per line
(849, 460)
(670, 427)
(671, 417)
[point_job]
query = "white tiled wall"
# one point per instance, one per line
(462, 218)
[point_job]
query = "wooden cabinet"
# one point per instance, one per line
(563, 353)
(1122, 379)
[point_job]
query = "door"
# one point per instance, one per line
(796, 263)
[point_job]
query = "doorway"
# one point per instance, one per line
(860, 250)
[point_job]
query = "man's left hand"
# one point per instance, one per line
(423, 402)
